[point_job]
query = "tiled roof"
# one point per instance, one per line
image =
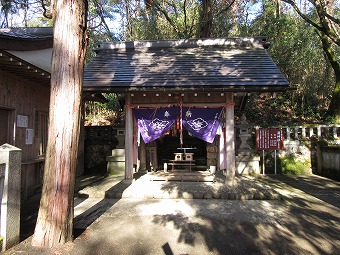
(227, 64)
(23, 40)
(27, 33)
(26, 38)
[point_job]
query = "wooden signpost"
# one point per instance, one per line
(269, 139)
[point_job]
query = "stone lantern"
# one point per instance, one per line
(244, 135)
(246, 163)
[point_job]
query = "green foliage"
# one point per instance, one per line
(290, 165)
(268, 110)
(180, 19)
(297, 51)
(173, 20)
(107, 113)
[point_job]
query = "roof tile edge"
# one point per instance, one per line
(27, 33)
(244, 42)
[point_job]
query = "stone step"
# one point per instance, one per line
(179, 186)
(197, 176)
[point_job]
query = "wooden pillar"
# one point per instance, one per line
(128, 138)
(142, 156)
(230, 137)
(81, 145)
(222, 151)
(135, 155)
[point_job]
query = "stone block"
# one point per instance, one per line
(10, 159)
(116, 162)
(246, 164)
(187, 195)
(118, 153)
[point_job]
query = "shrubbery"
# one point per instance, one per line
(290, 165)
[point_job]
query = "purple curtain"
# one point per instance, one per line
(153, 123)
(202, 122)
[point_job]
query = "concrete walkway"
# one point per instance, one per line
(306, 221)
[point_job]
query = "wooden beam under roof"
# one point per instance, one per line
(17, 66)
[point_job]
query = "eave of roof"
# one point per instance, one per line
(17, 66)
(222, 64)
(16, 42)
(26, 38)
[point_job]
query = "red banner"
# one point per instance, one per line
(269, 139)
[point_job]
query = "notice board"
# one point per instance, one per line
(269, 139)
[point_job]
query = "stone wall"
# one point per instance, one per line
(328, 163)
(212, 153)
(98, 144)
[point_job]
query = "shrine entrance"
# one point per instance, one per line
(168, 147)
(177, 136)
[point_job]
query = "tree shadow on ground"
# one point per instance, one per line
(218, 235)
(307, 226)
(303, 231)
(28, 216)
(320, 187)
(84, 220)
(30, 207)
(111, 196)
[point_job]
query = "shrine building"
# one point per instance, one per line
(181, 97)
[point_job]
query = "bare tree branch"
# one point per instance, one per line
(226, 7)
(46, 9)
(167, 17)
(100, 12)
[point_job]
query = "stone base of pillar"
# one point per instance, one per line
(116, 162)
(10, 195)
(246, 164)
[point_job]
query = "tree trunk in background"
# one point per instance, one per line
(55, 219)
(334, 106)
(206, 19)
(327, 28)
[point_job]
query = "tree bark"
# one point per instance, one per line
(334, 106)
(206, 19)
(55, 218)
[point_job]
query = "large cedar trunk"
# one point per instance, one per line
(55, 219)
